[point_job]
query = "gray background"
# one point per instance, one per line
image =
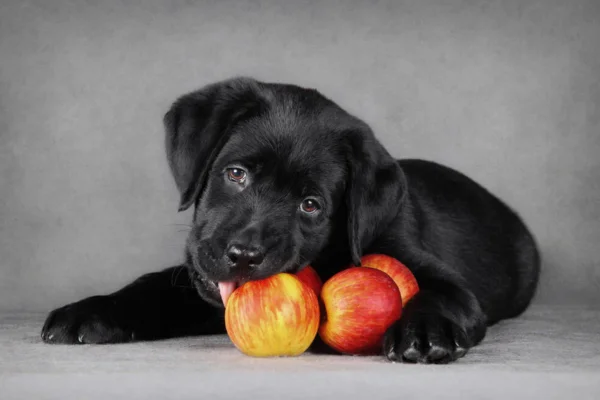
(505, 91)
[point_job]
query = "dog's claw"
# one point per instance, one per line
(92, 320)
(425, 340)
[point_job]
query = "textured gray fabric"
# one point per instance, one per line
(548, 353)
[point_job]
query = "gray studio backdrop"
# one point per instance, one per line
(506, 91)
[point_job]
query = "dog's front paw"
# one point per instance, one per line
(425, 338)
(89, 321)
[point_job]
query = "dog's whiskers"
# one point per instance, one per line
(186, 225)
(175, 276)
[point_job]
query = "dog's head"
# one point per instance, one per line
(276, 174)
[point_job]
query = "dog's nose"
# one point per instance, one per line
(243, 256)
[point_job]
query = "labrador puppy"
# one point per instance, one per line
(280, 177)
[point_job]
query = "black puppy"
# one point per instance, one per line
(281, 177)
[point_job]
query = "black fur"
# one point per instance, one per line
(474, 259)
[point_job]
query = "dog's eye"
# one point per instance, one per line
(309, 206)
(236, 175)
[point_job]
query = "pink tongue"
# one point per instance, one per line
(225, 289)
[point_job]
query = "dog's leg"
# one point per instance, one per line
(441, 322)
(155, 306)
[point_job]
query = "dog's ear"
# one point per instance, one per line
(374, 192)
(198, 125)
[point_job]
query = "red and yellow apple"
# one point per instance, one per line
(310, 277)
(406, 281)
(276, 316)
(359, 305)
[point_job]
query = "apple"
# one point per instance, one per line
(359, 305)
(406, 281)
(275, 316)
(309, 276)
